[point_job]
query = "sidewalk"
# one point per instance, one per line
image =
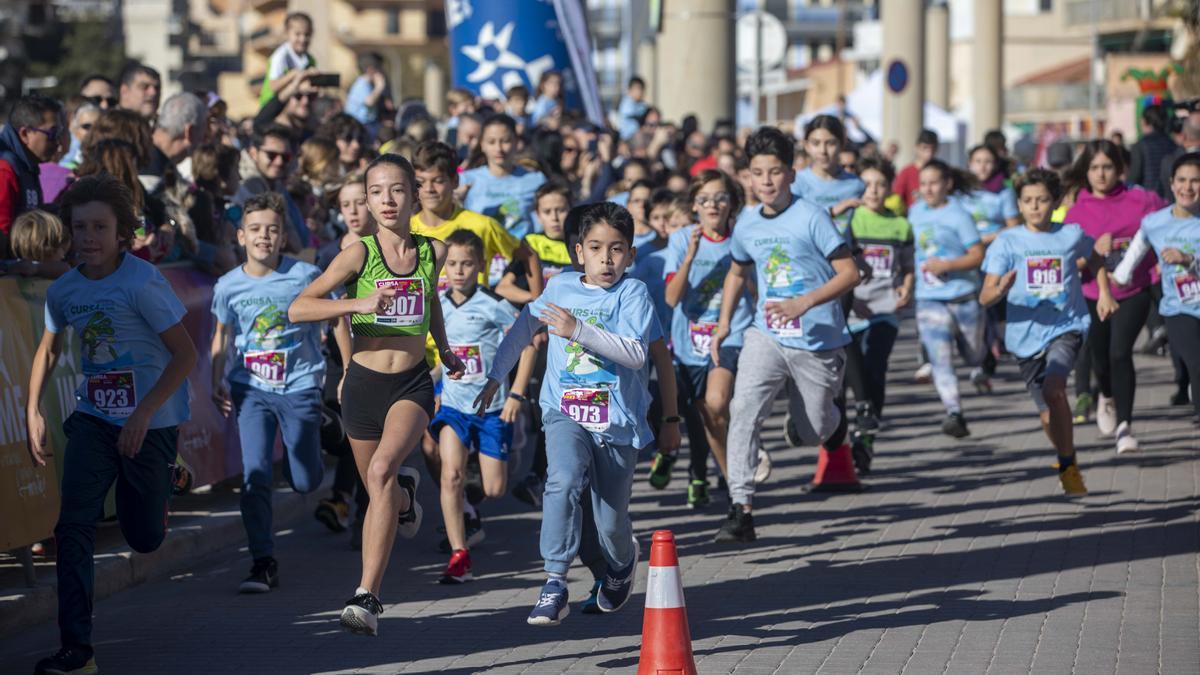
(962, 558)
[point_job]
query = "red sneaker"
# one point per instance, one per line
(458, 570)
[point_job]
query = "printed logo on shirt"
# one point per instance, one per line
(782, 284)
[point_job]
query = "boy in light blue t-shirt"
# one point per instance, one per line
(1037, 266)
(269, 371)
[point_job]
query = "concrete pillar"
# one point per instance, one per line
(435, 87)
(647, 59)
(987, 90)
(903, 74)
(696, 73)
(937, 54)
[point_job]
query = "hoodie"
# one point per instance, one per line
(20, 182)
(1119, 213)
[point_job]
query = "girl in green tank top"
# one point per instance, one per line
(387, 392)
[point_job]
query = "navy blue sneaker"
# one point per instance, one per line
(618, 584)
(590, 606)
(551, 607)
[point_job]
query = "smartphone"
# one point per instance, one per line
(326, 80)
(593, 145)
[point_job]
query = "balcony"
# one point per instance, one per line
(1118, 15)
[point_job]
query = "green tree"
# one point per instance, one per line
(80, 49)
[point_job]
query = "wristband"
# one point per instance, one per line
(517, 397)
(673, 419)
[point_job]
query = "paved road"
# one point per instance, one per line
(962, 558)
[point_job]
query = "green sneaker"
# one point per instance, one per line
(1083, 407)
(698, 494)
(660, 470)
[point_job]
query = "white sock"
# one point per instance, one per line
(360, 590)
(560, 579)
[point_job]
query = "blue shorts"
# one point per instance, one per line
(488, 434)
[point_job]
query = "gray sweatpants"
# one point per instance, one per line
(764, 368)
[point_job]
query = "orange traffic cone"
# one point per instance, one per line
(835, 472)
(666, 641)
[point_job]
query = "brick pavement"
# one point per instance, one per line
(962, 558)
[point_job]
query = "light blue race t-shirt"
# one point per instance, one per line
(474, 330)
(508, 199)
(828, 193)
(791, 252)
(648, 267)
(1180, 285)
(118, 320)
(1046, 299)
(605, 398)
(694, 319)
(945, 232)
(990, 210)
(270, 353)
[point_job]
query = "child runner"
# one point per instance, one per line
(886, 240)
(275, 372)
(948, 253)
(1174, 234)
(135, 356)
(1105, 206)
(698, 259)
(500, 188)
(476, 320)
(390, 283)
(1037, 266)
(802, 267)
(594, 410)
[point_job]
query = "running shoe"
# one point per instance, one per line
(863, 451)
(76, 660)
(790, 433)
(334, 514)
(983, 383)
(361, 614)
(762, 471)
(1083, 407)
(551, 607)
(955, 425)
(458, 570)
(737, 528)
(1072, 481)
(618, 584)
(1106, 415)
(410, 521)
(181, 477)
(475, 533)
(698, 494)
(589, 606)
(1126, 443)
(529, 490)
(864, 419)
(660, 470)
(924, 374)
(1181, 396)
(264, 576)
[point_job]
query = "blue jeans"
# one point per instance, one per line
(260, 415)
(575, 455)
(91, 464)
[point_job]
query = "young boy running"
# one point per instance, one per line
(1037, 267)
(476, 320)
(802, 266)
(594, 409)
(135, 356)
(274, 373)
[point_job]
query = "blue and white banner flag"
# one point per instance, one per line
(497, 45)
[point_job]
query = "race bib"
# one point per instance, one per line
(1187, 287)
(931, 279)
(880, 258)
(443, 283)
(496, 269)
(270, 368)
(408, 305)
(1044, 275)
(549, 272)
(472, 358)
(588, 407)
(701, 335)
(113, 393)
(793, 328)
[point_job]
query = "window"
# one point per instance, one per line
(393, 20)
(1045, 6)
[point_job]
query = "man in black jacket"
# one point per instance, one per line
(1148, 153)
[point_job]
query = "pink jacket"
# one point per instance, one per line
(1120, 213)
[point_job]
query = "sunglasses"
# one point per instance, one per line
(305, 97)
(102, 101)
(50, 134)
(272, 156)
(569, 148)
(87, 126)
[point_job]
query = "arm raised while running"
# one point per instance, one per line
(314, 303)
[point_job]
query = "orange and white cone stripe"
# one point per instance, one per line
(666, 640)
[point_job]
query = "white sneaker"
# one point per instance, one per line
(1125, 440)
(924, 374)
(763, 471)
(1106, 415)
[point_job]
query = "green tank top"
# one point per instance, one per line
(409, 313)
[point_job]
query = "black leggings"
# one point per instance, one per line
(1111, 344)
(1183, 332)
(874, 346)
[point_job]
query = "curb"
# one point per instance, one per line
(122, 570)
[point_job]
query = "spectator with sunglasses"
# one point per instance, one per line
(30, 138)
(99, 91)
(291, 106)
(264, 168)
